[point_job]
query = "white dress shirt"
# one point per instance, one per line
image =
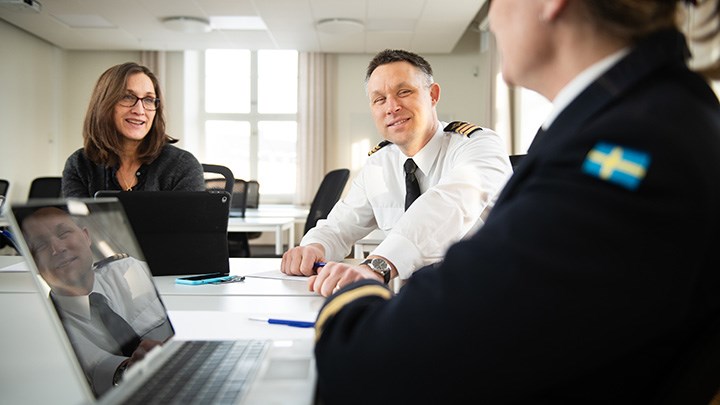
(459, 178)
(131, 294)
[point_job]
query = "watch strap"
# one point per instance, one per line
(385, 274)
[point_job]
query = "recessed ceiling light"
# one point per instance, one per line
(188, 25)
(339, 26)
(83, 21)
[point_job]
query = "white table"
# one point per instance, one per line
(299, 212)
(266, 224)
(367, 243)
(31, 359)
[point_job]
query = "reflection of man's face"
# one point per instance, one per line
(61, 250)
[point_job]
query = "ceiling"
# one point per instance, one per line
(423, 26)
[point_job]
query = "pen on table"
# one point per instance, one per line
(288, 322)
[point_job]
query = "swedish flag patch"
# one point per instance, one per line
(617, 164)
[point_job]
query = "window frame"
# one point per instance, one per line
(253, 118)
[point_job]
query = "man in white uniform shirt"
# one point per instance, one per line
(460, 169)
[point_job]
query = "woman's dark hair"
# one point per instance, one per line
(101, 140)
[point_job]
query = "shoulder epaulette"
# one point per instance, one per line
(462, 127)
(112, 258)
(378, 147)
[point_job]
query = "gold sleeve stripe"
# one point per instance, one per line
(343, 299)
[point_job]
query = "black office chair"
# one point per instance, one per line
(5, 239)
(214, 182)
(238, 244)
(45, 187)
(253, 201)
(327, 195)
(240, 196)
(4, 186)
(515, 160)
(253, 194)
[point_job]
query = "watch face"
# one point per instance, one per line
(378, 264)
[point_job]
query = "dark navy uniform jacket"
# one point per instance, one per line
(597, 267)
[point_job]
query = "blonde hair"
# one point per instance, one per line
(631, 20)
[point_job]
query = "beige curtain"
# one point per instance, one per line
(313, 101)
(155, 61)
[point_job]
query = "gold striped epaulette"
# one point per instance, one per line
(107, 260)
(462, 127)
(378, 147)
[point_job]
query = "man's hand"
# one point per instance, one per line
(143, 348)
(300, 260)
(334, 276)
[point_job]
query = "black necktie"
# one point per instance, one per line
(120, 330)
(412, 188)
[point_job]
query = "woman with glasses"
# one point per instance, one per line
(125, 144)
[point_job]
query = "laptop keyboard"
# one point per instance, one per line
(206, 372)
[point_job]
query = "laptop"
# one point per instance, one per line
(85, 259)
(180, 232)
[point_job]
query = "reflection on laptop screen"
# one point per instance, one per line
(104, 306)
(98, 282)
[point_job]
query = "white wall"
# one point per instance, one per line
(30, 113)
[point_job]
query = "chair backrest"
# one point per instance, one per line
(515, 160)
(327, 195)
(239, 197)
(45, 187)
(253, 194)
(213, 182)
(4, 186)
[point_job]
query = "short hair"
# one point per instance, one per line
(101, 140)
(399, 55)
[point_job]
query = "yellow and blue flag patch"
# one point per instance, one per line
(617, 164)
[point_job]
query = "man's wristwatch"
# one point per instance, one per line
(119, 372)
(379, 266)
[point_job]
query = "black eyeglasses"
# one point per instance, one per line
(149, 103)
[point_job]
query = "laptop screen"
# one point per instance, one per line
(95, 275)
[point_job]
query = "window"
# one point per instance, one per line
(531, 111)
(249, 117)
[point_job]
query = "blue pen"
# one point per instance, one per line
(288, 322)
(319, 264)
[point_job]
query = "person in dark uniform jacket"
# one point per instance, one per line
(597, 268)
